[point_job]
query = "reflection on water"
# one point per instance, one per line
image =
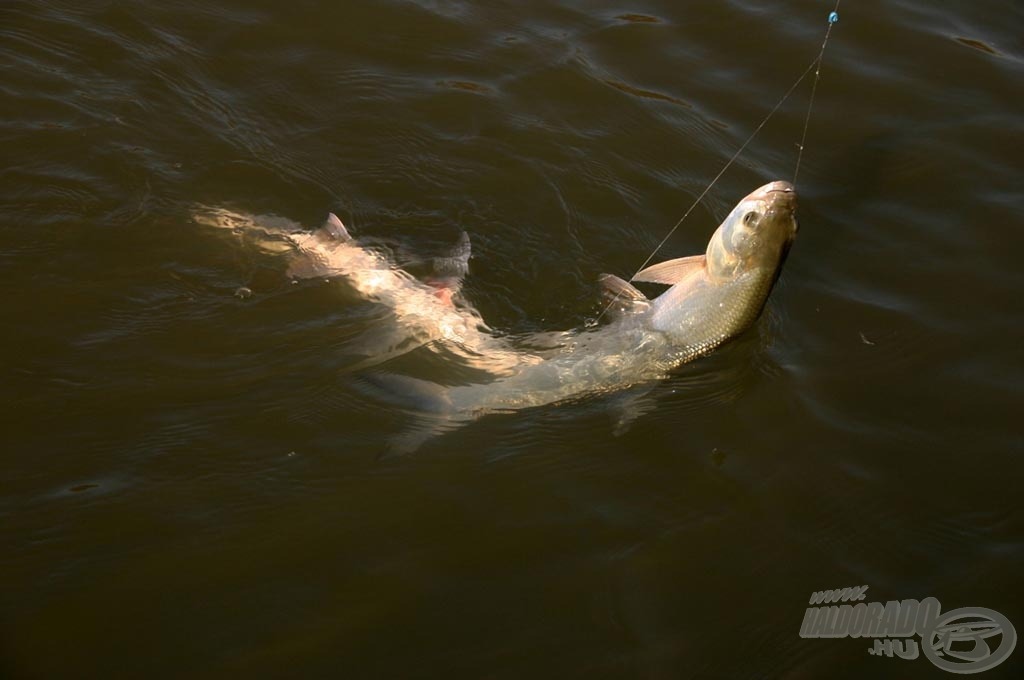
(194, 487)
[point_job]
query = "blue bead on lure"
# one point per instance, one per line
(833, 17)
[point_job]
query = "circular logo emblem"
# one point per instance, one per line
(961, 640)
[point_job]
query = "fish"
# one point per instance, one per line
(711, 298)
(331, 252)
(423, 310)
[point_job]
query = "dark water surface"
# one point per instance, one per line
(191, 488)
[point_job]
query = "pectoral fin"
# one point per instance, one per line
(671, 272)
(622, 295)
(614, 286)
(625, 408)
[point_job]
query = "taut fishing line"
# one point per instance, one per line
(832, 19)
(815, 66)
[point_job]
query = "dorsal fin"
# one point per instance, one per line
(671, 272)
(334, 228)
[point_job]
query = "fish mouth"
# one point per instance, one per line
(779, 190)
(779, 186)
(778, 198)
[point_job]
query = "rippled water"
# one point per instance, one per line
(191, 490)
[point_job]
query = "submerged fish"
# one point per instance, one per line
(423, 311)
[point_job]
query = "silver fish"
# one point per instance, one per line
(423, 311)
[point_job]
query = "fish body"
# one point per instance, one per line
(712, 297)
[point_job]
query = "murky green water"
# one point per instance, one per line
(191, 488)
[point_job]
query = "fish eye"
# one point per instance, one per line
(750, 219)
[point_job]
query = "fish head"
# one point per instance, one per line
(736, 274)
(757, 234)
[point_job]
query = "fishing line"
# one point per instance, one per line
(832, 19)
(815, 65)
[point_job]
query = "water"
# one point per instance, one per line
(191, 489)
